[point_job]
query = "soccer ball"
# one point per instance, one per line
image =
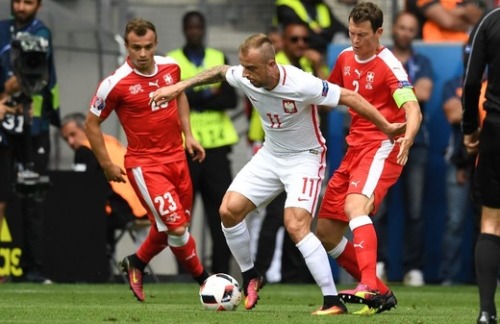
(220, 292)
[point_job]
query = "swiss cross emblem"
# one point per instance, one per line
(289, 106)
(370, 76)
(168, 79)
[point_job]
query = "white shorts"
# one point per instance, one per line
(265, 176)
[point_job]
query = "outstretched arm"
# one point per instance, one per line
(359, 104)
(212, 75)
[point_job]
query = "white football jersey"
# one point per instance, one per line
(289, 112)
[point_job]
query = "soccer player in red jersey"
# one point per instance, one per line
(372, 162)
(155, 161)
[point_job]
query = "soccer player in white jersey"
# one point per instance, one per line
(372, 164)
(292, 158)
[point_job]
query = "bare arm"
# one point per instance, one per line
(183, 107)
(12, 85)
(194, 149)
(359, 104)
(423, 89)
(95, 136)
(472, 13)
(209, 76)
(318, 63)
(449, 19)
(453, 110)
(4, 109)
(413, 120)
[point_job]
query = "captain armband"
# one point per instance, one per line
(403, 95)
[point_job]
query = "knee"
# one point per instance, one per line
(296, 231)
(352, 210)
(179, 231)
(229, 215)
(322, 234)
(330, 234)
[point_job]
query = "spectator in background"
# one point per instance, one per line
(317, 15)
(446, 21)
(13, 148)
(293, 268)
(212, 128)
(4, 109)
(481, 53)
(155, 162)
(372, 163)
(419, 69)
(459, 166)
(274, 34)
(122, 205)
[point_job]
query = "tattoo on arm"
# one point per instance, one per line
(212, 75)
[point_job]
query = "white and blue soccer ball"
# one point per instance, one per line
(220, 292)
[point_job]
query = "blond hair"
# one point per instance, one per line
(260, 42)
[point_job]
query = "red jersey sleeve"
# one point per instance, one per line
(336, 74)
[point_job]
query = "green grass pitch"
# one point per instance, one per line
(179, 303)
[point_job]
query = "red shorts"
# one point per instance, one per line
(369, 170)
(166, 191)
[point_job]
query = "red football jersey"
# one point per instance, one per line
(153, 132)
(375, 79)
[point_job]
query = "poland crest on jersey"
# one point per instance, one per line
(289, 106)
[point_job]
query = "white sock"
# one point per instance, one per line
(238, 240)
(317, 261)
(178, 241)
(337, 251)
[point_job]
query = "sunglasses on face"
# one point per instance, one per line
(295, 39)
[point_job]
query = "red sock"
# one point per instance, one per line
(187, 256)
(365, 246)
(154, 243)
(348, 261)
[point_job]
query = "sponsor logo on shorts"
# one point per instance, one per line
(172, 218)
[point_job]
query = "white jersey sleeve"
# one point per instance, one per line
(318, 92)
(234, 74)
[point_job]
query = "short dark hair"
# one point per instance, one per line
(295, 23)
(367, 11)
(139, 26)
(193, 14)
(401, 14)
(12, 1)
(273, 29)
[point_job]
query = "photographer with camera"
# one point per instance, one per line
(28, 81)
